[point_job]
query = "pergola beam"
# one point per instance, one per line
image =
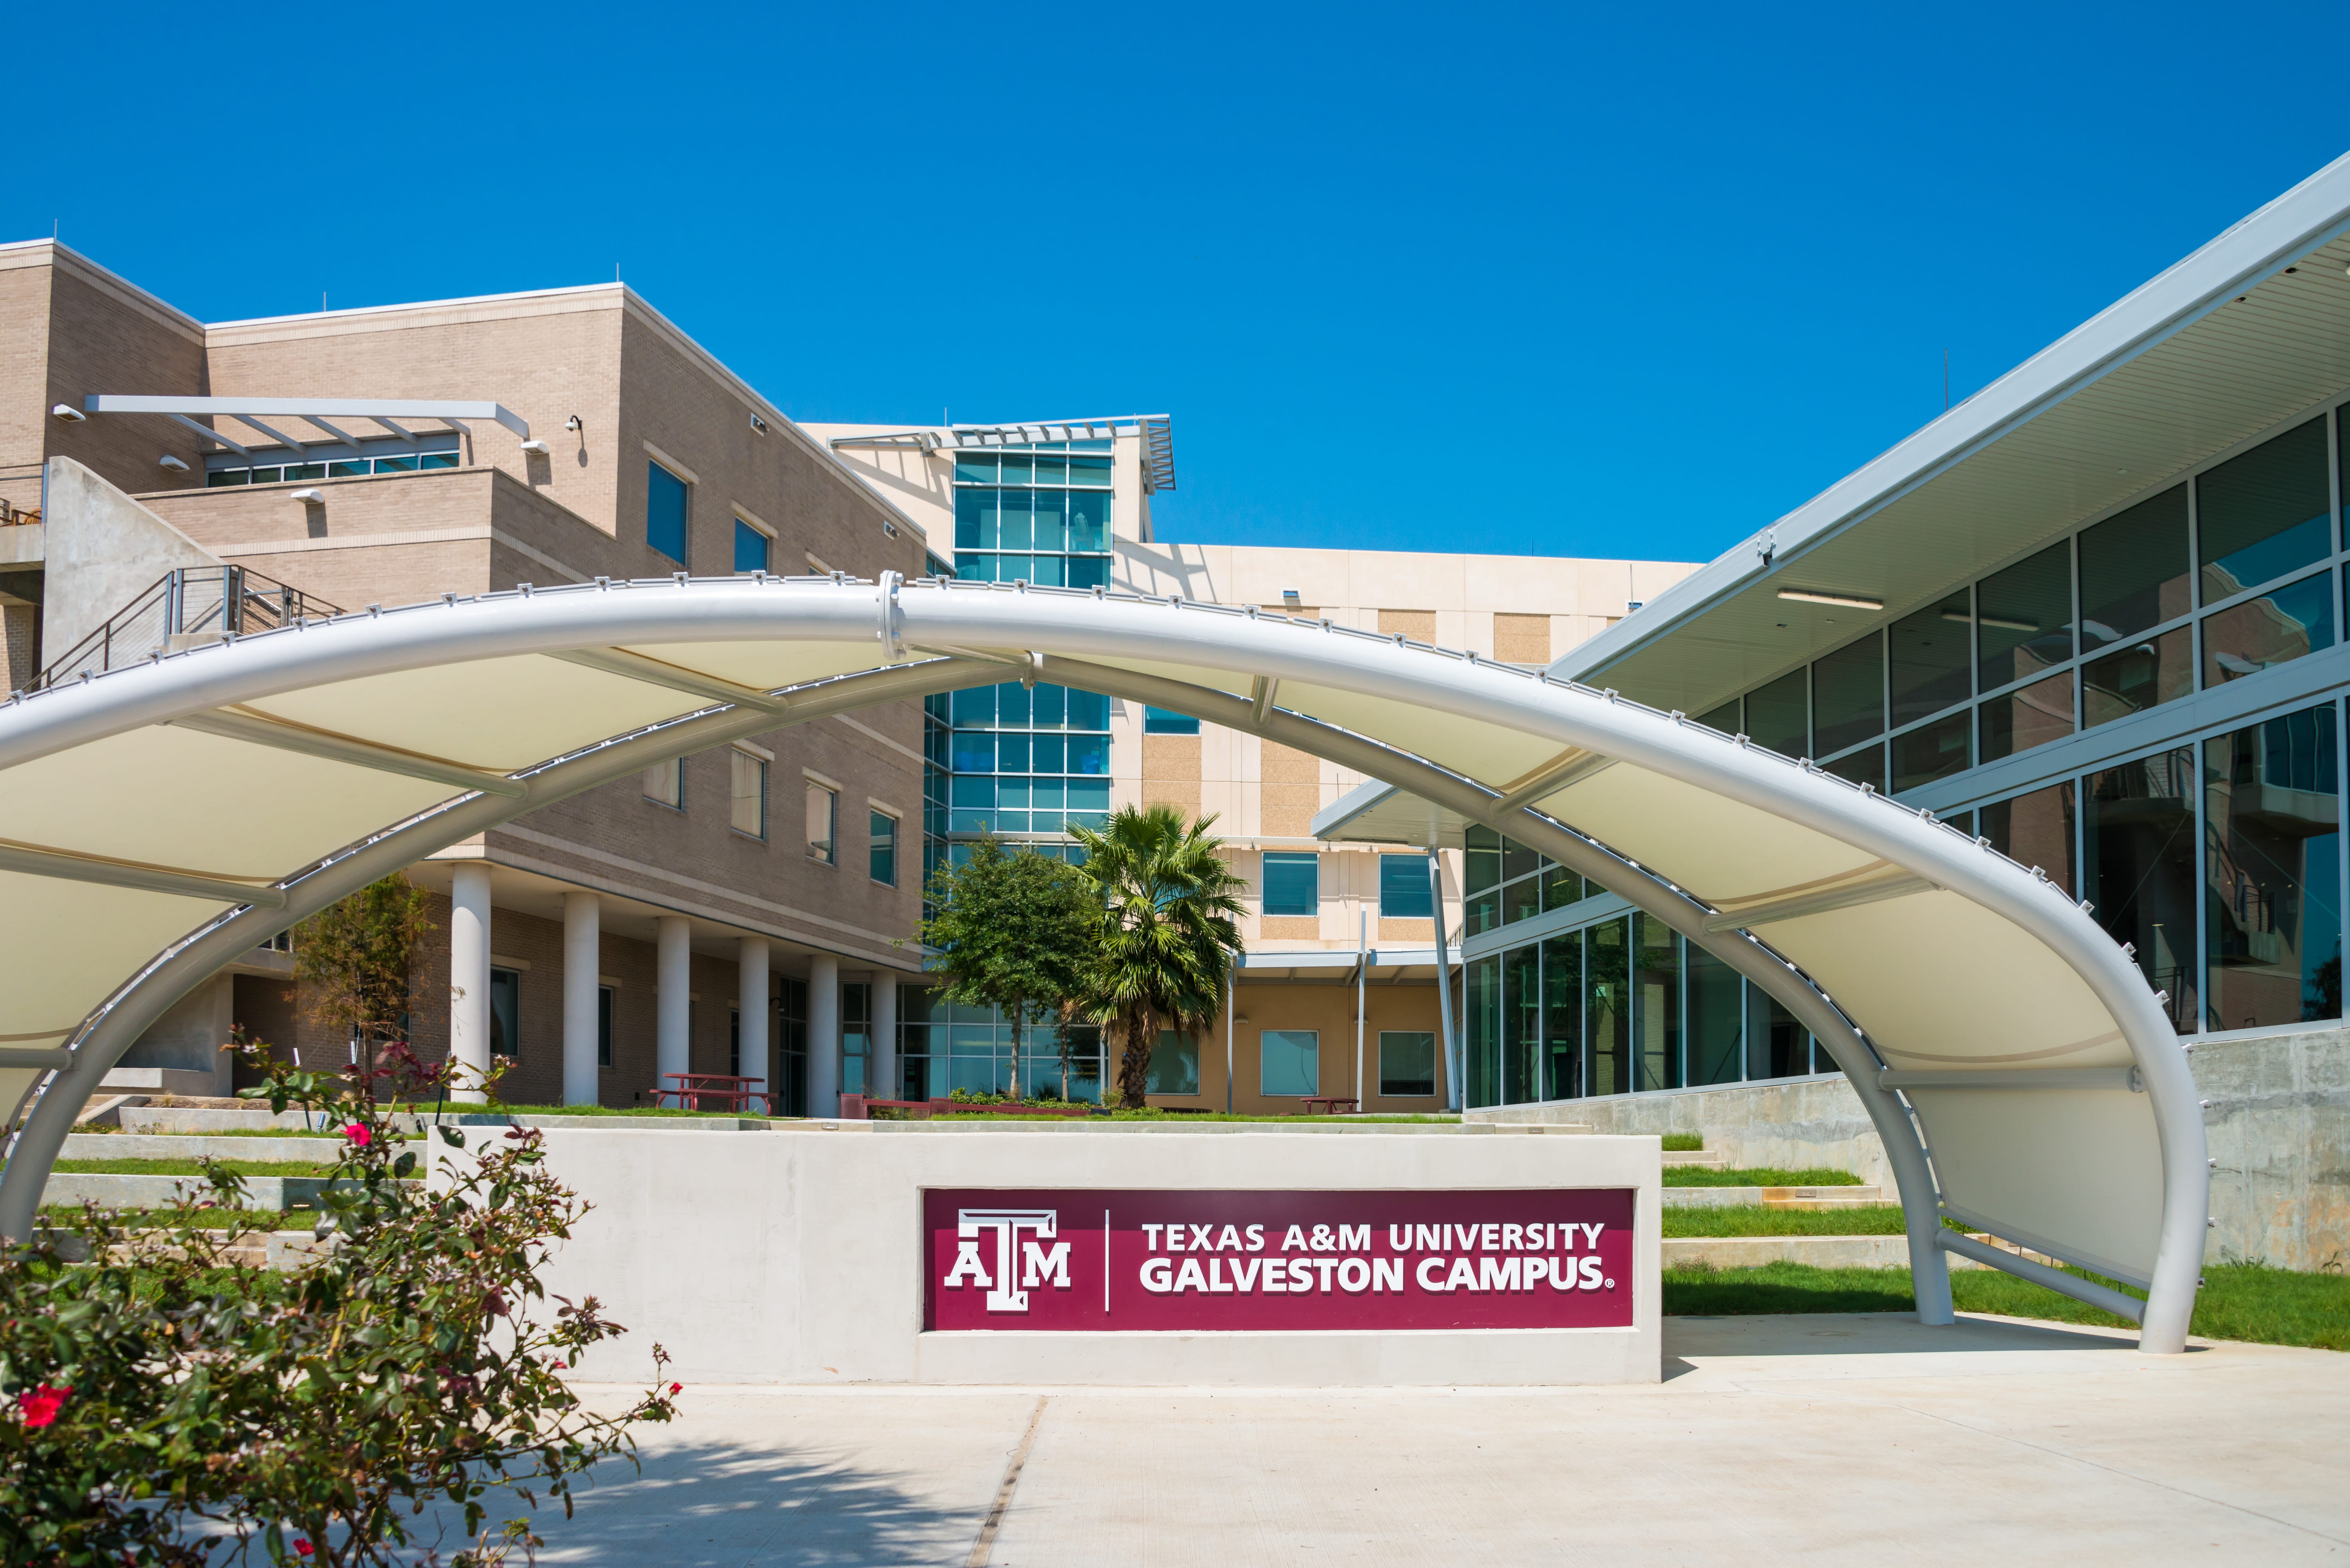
(1820, 903)
(304, 741)
(36, 861)
(676, 676)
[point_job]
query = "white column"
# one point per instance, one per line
(672, 998)
(881, 1050)
(751, 1001)
(583, 929)
(824, 1036)
(469, 979)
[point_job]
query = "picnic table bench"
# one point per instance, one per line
(693, 1091)
(859, 1107)
(1330, 1103)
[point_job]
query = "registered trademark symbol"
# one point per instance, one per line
(1608, 1284)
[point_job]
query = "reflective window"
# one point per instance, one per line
(1289, 1061)
(1932, 751)
(1778, 716)
(881, 848)
(1407, 1064)
(505, 1012)
(1724, 719)
(1562, 979)
(1777, 1047)
(1164, 722)
(750, 548)
(1480, 880)
(1608, 954)
(1657, 1002)
(1480, 1029)
(2021, 719)
(665, 511)
(1404, 891)
(823, 814)
(604, 994)
(1520, 1025)
(2265, 513)
(1717, 1021)
(1928, 655)
(748, 804)
(1561, 886)
(2035, 829)
(2137, 676)
(2138, 856)
(1292, 883)
(2277, 628)
(1847, 697)
(1864, 766)
(1174, 1066)
(665, 784)
(2272, 908)
(2023, 618)
(2135, 570)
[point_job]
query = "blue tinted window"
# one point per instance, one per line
(973, 792)
(1089, 755)
(1012, 753)
(1019, 526)
(750, 548)
(1088, 711)
(1049, 704)
(975, 705)
(974, 752)
(1161, 722)
(1404, 893)
(974, 569)
(1088, 520)
(665, 498)
(980, 467)
(1048, 754)
(1089, 571)
(1089, 471)
(1089, 794)
(973, 506)
(1052, 521)
(1293, 884)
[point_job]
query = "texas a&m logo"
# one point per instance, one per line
(1025, 1252)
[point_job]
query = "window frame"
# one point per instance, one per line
(1427, 1035)
(1289, 858)
(875, 815)
(684, 555)
(676, 769)
(830, 855)
(737, 755)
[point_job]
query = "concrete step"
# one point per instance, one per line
(75, 1188)
(280, 1250)
(1819, 1252)
(166, 1146)
(192, 1121)
(1773, 1196)
(1694, 1156)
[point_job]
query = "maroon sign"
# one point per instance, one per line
(1541, 1258)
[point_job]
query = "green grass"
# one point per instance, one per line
(1160, 1114)
(426, 1111)
(2239, 1301)
(1684, 1143)
(1754, 1219)
(190, 1167)
(65, 1217)
(1756, 1176)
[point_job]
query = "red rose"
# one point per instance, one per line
(676, 1388)
(40, 1406)
(357, 1132)
(303, 1549)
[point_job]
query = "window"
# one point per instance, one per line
(881, 848)
(1717, 1022)
(2265, 513)
(1562, 979)
(1404, 892)
(1289, 1061)
(2138, 858)
(751, 547)
(505, 1012)
(1657, 997)
(2035, 829)
(1779, 717)
(1049, 749)
(1407, 1064)
(823, 811)
(1928, 656)
(2272, 904)
(1163, 721)
(1932, 751)
(1293, 884)
(733, 1042)
(2027, 717)
(665, 511)
(1174, 1065)
(2141, 675)
(604, 996)
(750, 793)
(1848, 696)
(1777, 1047)
(665, 784)
(2134, 570)
(2280, 626)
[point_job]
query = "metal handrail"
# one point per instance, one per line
(184, 601)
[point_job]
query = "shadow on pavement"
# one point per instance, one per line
(1872, 1333)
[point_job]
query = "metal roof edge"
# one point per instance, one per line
(2271, 236)
(1348, 807)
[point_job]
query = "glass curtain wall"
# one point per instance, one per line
(944, 1046)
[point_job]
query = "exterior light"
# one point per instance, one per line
(173, 464)
(68, 412)
(311, 497)
(1290, 599)
(758, 425)
(1841, 601)
(573, 424)
(539, 447)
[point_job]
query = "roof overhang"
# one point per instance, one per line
(2248, 331)
(1157, 432)
(384, 412)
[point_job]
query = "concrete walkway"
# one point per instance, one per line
(1822, 1439)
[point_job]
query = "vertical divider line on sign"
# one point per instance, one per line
(1104, 1263)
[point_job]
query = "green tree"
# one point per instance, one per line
(1016, 931)
(353, 961)
(1168, 940)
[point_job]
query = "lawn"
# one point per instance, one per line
(1754, 1219)
(1684, 1143)
(190, 1167)
(2239, 1301)
(1756, 1176)
(70, 1217)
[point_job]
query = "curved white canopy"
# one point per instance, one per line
(161, 819)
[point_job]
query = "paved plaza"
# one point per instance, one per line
(1817, 1440)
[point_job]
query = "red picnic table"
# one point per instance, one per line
(694, 1090)
(1330, 1103)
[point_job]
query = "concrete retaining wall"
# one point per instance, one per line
(1799, 1123)
(76, 1187)
(138, 1145)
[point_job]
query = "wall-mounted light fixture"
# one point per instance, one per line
(68, 412)
(539, 447)
(1841, 601)
(758, 425)
(1291, 599)
(311, 497)
(888, 528)
(573, 425)
(173, 464)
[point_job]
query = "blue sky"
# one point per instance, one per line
(1540, 279)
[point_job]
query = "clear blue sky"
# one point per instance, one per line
(1580, 282)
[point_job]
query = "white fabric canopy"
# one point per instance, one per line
(161, 819)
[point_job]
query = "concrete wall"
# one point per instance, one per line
(188, 1038)
(2278, 1125)
(811, 1272)
(1798, 1123)
(104, 549)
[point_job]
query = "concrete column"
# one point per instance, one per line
(673, 999)
(583, 928)
(824, 1036)
(469, 979)
(881, 1050)
(751, 1001)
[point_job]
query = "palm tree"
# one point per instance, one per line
(1168, 940)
